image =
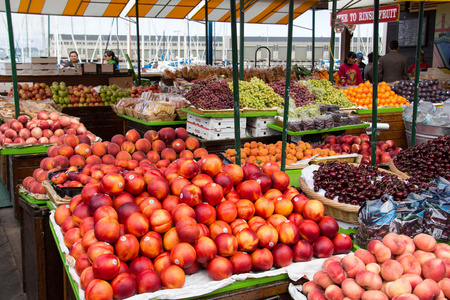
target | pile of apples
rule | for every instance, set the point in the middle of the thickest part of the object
(398, 268)
(36, 92)
(75, 152)
(136, 91)
(136, 228)
(361, 144)
(44, 128)
(77, 95)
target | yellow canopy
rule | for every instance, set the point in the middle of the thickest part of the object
(256, 11)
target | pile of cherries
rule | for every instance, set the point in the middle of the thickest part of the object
(354, 184)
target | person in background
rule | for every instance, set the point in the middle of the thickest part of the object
(393, 66)
(73, 60)
(359, 62)
(368, 70)
(110, 58)
(349, 71)
(423, 64)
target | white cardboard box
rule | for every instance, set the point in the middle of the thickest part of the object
(212, 133)
(215, 122)
(70, 71)
(44, 60)
(258, 132)
(259, 122)
(43, 66)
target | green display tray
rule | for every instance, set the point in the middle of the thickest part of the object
(168, 123)
(231, 114)
(280, 129)
(380, 110)
(32, 200)
(50, 205)
(26, 150)
(294, 176)
(72, 282)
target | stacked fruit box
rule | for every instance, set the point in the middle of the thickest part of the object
(44, 66)
(257, 126)
(21, 68)
(213, 128)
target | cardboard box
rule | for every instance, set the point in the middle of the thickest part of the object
(43, 66)
(220, 123)
(44, 60)
(258, 132)
(212, 133)
(122, 82)
(89, 68)
(44, 72)
(259, 122)
(19, 66)
(70, 71)
(106, 69)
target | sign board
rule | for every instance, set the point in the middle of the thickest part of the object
(389, 13)
(408, 30)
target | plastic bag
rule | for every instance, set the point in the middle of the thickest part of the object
(376, 219)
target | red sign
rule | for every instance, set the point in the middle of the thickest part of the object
(388, 13)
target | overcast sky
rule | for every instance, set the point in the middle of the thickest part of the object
(35, 27)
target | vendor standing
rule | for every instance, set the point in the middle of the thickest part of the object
(359, 62)
(110, 58)
(73, 60)
(423, 64)
(349, 72)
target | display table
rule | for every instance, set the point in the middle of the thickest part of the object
(230, 114)
(85, 79)
(100, 120)
(20, 163)
(42, 271)
(143, 126)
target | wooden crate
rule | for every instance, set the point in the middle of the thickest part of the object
(100, 120)
(42, 269)
(20, 167)
(396, 130)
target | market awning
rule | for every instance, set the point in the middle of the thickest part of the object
(87, 8)
(256, 11)
(167, 9)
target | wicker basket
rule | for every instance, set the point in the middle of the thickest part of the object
(340, 211)
(129, 111)
(114, 108)
(120, 110)
(162, 117)
(396, 171)
(181, 114)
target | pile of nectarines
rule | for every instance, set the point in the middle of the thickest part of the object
(135, 233)
(259, 153)
(127, 152)
(398, 268)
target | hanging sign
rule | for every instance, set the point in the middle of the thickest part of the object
(389, 13)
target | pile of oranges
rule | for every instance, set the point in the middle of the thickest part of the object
(361, 95)
(259, 153)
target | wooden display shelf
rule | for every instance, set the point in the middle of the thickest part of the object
(41, 270)
(19, 167)
(340, 128)
(100, 120)
(396, 130)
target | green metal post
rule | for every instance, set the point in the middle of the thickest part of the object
(241, 40)
(313, 43)
(417, 72)
(288, 84)
(206, 34)
(376, 13)
(237, 121)
(137, 42)
(12, 57)
(333, 37)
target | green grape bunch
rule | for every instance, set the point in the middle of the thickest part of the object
(325, 93)
(257, 94)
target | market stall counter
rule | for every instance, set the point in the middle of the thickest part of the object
(42, 271)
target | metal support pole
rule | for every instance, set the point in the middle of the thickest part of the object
(237, 122)
(241, 37)
(137, 43)
(313, 43)
(206, 33)
(210, 43)
(12, 58)
(48, 40)
(288, 84)
(333, 37)
(417, 72)
(376, 13)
